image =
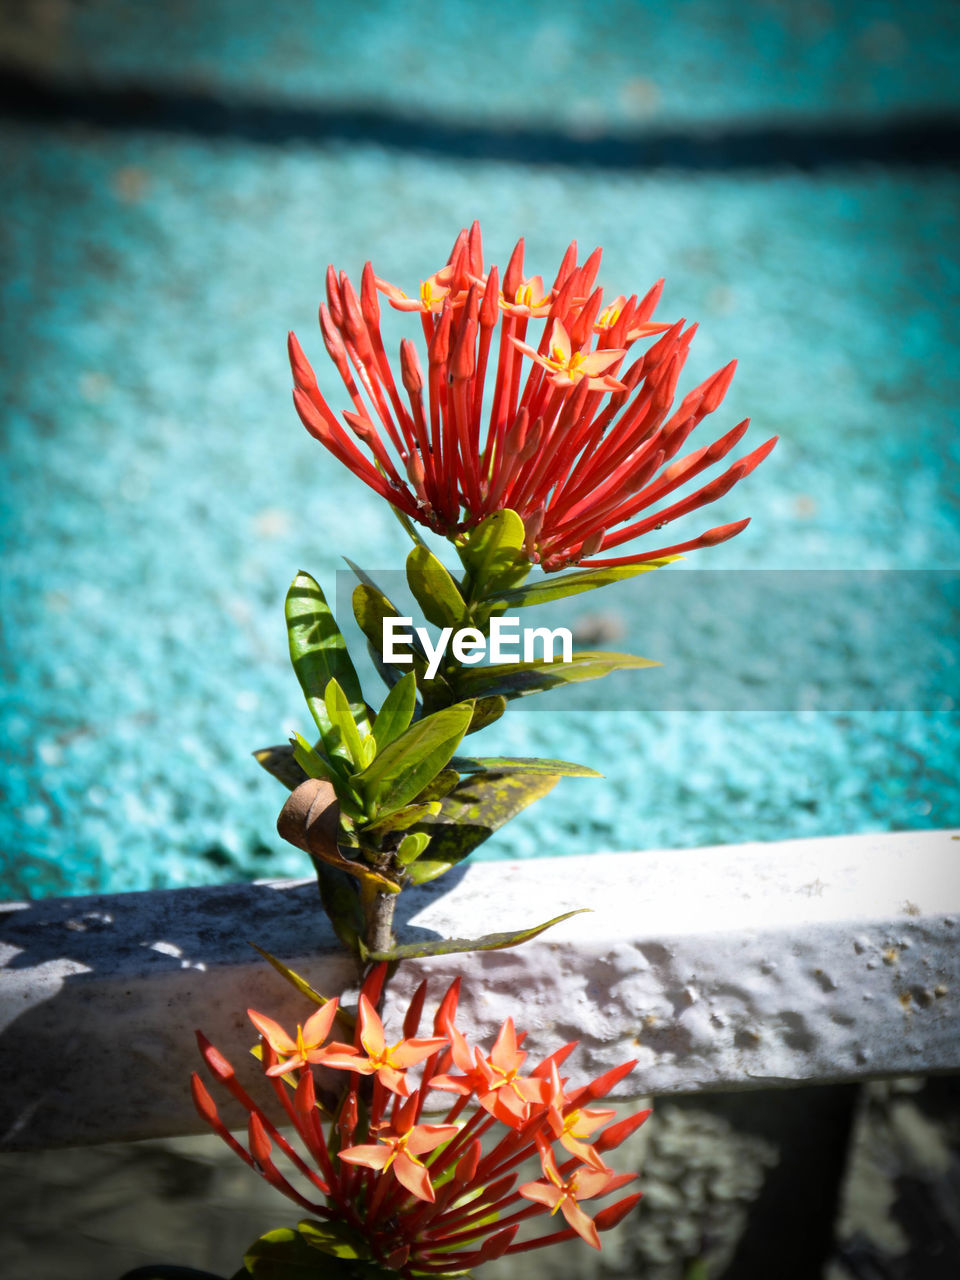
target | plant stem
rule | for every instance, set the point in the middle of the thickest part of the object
(379, 914)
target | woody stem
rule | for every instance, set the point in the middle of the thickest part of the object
(379, 922)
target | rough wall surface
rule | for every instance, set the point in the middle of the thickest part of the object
(730, 967)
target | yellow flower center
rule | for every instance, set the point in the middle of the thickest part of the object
(558, 361)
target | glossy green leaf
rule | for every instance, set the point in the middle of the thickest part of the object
(558, 586)
(470, 813)
(283, 1254)
(522, 764)
(281, 764)
(314, 765)
(324, 1252)
(343, 726)
(333, 1237)
(405, 817)
(434, 589)
(450, 946)
(411, 847)
(518, 679)
(492, 554)
(397, 710)
(319, 653)
(412, 760)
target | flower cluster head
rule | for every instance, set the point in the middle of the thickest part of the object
(416, 1197)
(578, 434)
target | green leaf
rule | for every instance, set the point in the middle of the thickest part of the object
(370, 608)
(449, 946)
(314, 765)
(492, 554)
(522, 764)
(406, 765)
(397, 711)
(517, 679)
(558, 586)
(319, 653)
(316, 1251)
(470, 813)
(301, 984)
(281, 764)
(440, 786)
(411, 847)
(343, 724)
(486, 712)
(434, 589)
(339, 899)
(406, 817)
(283, 1254)
(333, 1237)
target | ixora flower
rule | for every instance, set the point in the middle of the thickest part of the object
(574, 439)
(399, 1193)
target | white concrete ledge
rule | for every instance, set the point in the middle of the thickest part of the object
(722, 968)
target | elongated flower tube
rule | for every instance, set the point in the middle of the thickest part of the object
(566, 425)
(407, 1194)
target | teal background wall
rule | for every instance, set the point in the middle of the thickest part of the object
(176, 178)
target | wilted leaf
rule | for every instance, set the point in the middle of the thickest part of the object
(310, 819)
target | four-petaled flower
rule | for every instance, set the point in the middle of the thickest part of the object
(302, 1049)
(572, 1125)
(587, 453)
(398, 1146)
(387, 1062)
(566, 366)
(563, 1193)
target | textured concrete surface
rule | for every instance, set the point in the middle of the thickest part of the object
(740, 967)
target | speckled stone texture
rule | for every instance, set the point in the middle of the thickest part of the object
(160, 493)
(745, 966)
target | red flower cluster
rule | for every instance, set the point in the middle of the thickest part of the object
(429, 1199)
(575, 444)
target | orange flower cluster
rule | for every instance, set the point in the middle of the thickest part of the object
(429, 1198)
(575, 443)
